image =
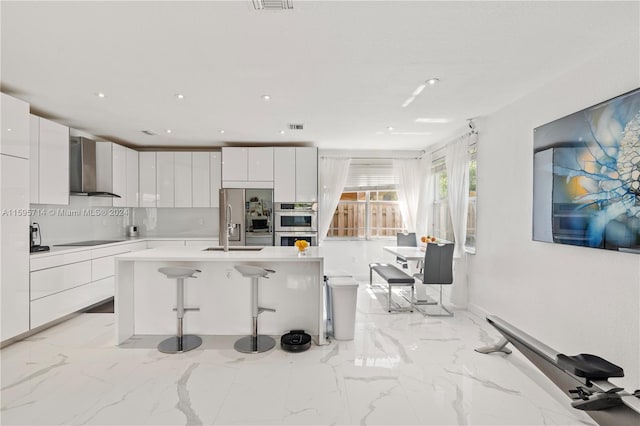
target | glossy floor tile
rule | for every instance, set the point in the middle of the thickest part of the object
(401, 369)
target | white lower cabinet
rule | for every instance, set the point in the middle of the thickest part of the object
(58, 305)
(70, 282)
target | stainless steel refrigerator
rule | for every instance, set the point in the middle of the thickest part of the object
(246, 217)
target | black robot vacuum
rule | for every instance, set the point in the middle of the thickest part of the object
(295, 341)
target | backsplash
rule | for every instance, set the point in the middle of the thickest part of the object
(85, 218)
(93, 218)
(176, 222)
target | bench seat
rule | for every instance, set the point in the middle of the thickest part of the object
(394, 277)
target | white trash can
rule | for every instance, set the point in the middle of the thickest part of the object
(344, 296)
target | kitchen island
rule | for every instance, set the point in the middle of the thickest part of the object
(145, 298)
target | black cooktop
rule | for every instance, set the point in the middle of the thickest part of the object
(90, 243)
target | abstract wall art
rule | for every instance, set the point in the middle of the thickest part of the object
(586, 185)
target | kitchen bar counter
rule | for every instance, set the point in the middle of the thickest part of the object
(145, 298)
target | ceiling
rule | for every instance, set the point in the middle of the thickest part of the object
(343, 69)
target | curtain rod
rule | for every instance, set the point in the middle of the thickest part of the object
(414, 155)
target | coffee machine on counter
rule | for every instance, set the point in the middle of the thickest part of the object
(36, 238)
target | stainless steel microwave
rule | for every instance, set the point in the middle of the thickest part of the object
(296, 217)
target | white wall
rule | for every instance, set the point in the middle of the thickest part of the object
(575, 299)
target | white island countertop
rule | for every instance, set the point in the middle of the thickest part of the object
(197, 254)
(145, 298)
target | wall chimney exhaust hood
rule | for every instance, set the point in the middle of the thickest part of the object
(82, 168)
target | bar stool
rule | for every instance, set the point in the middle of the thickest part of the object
(255, 343)
(180, 343)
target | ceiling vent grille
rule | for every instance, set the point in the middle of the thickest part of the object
(272, 4)
(148, 132)
(296, 126)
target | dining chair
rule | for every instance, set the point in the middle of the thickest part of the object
(437, 270)
(405, 240)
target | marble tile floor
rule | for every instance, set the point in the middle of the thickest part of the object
(401, 369)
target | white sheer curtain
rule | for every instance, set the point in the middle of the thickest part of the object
(457, 163)
(410, 180)
(333, 173)
(425, 203)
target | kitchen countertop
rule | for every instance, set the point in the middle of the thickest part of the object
(196, 254)
(56, 250)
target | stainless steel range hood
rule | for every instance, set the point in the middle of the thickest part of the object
(82, 168)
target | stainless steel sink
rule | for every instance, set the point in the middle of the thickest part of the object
(235, 248)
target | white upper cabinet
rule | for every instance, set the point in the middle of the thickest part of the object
(183, 196)
(244, 167)
(306, 174)
(284, 174)
(260, 164)
(295, 174)
(147, 179)
(165, 180)
(216, 177)
(49, 166)
(201, 179)
(234, 164)
(132, 178)
(15, 124)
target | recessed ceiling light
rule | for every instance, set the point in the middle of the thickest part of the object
(9, 129)
(169, 130)
(100, 95)
(179, 95)
(419, 90)
(430, 120)
(282, 132)
(221, 131)
(266, 97)
(389, 128)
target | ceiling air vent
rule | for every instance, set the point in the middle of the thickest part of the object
(296, 126)
(148, 132)
(272, 4)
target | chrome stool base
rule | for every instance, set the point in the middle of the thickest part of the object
(254, 345)
(172, 345)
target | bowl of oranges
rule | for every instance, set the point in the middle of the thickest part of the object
(302, 246)
(424, 240)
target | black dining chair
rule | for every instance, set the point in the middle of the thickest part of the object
(405, 240)
(437, 270)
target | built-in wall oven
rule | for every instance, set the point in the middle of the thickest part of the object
(296, 217)
(295, 221)
(290, 238)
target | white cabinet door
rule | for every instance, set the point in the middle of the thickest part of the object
(119, 175)
(15, 125)
(216, 178)
(165, 179)
(260, 164)
(306, 174)
(34, 159)
(183, 196)
(201, 179)
(132, 178)
(234, 164)
(284, 174)
(54, 163)
(14, 245)
(147, 179)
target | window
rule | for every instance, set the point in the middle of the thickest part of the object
(368, 208)
(441, 224)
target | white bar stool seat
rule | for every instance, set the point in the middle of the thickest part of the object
(255, 343)
(180, 343)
